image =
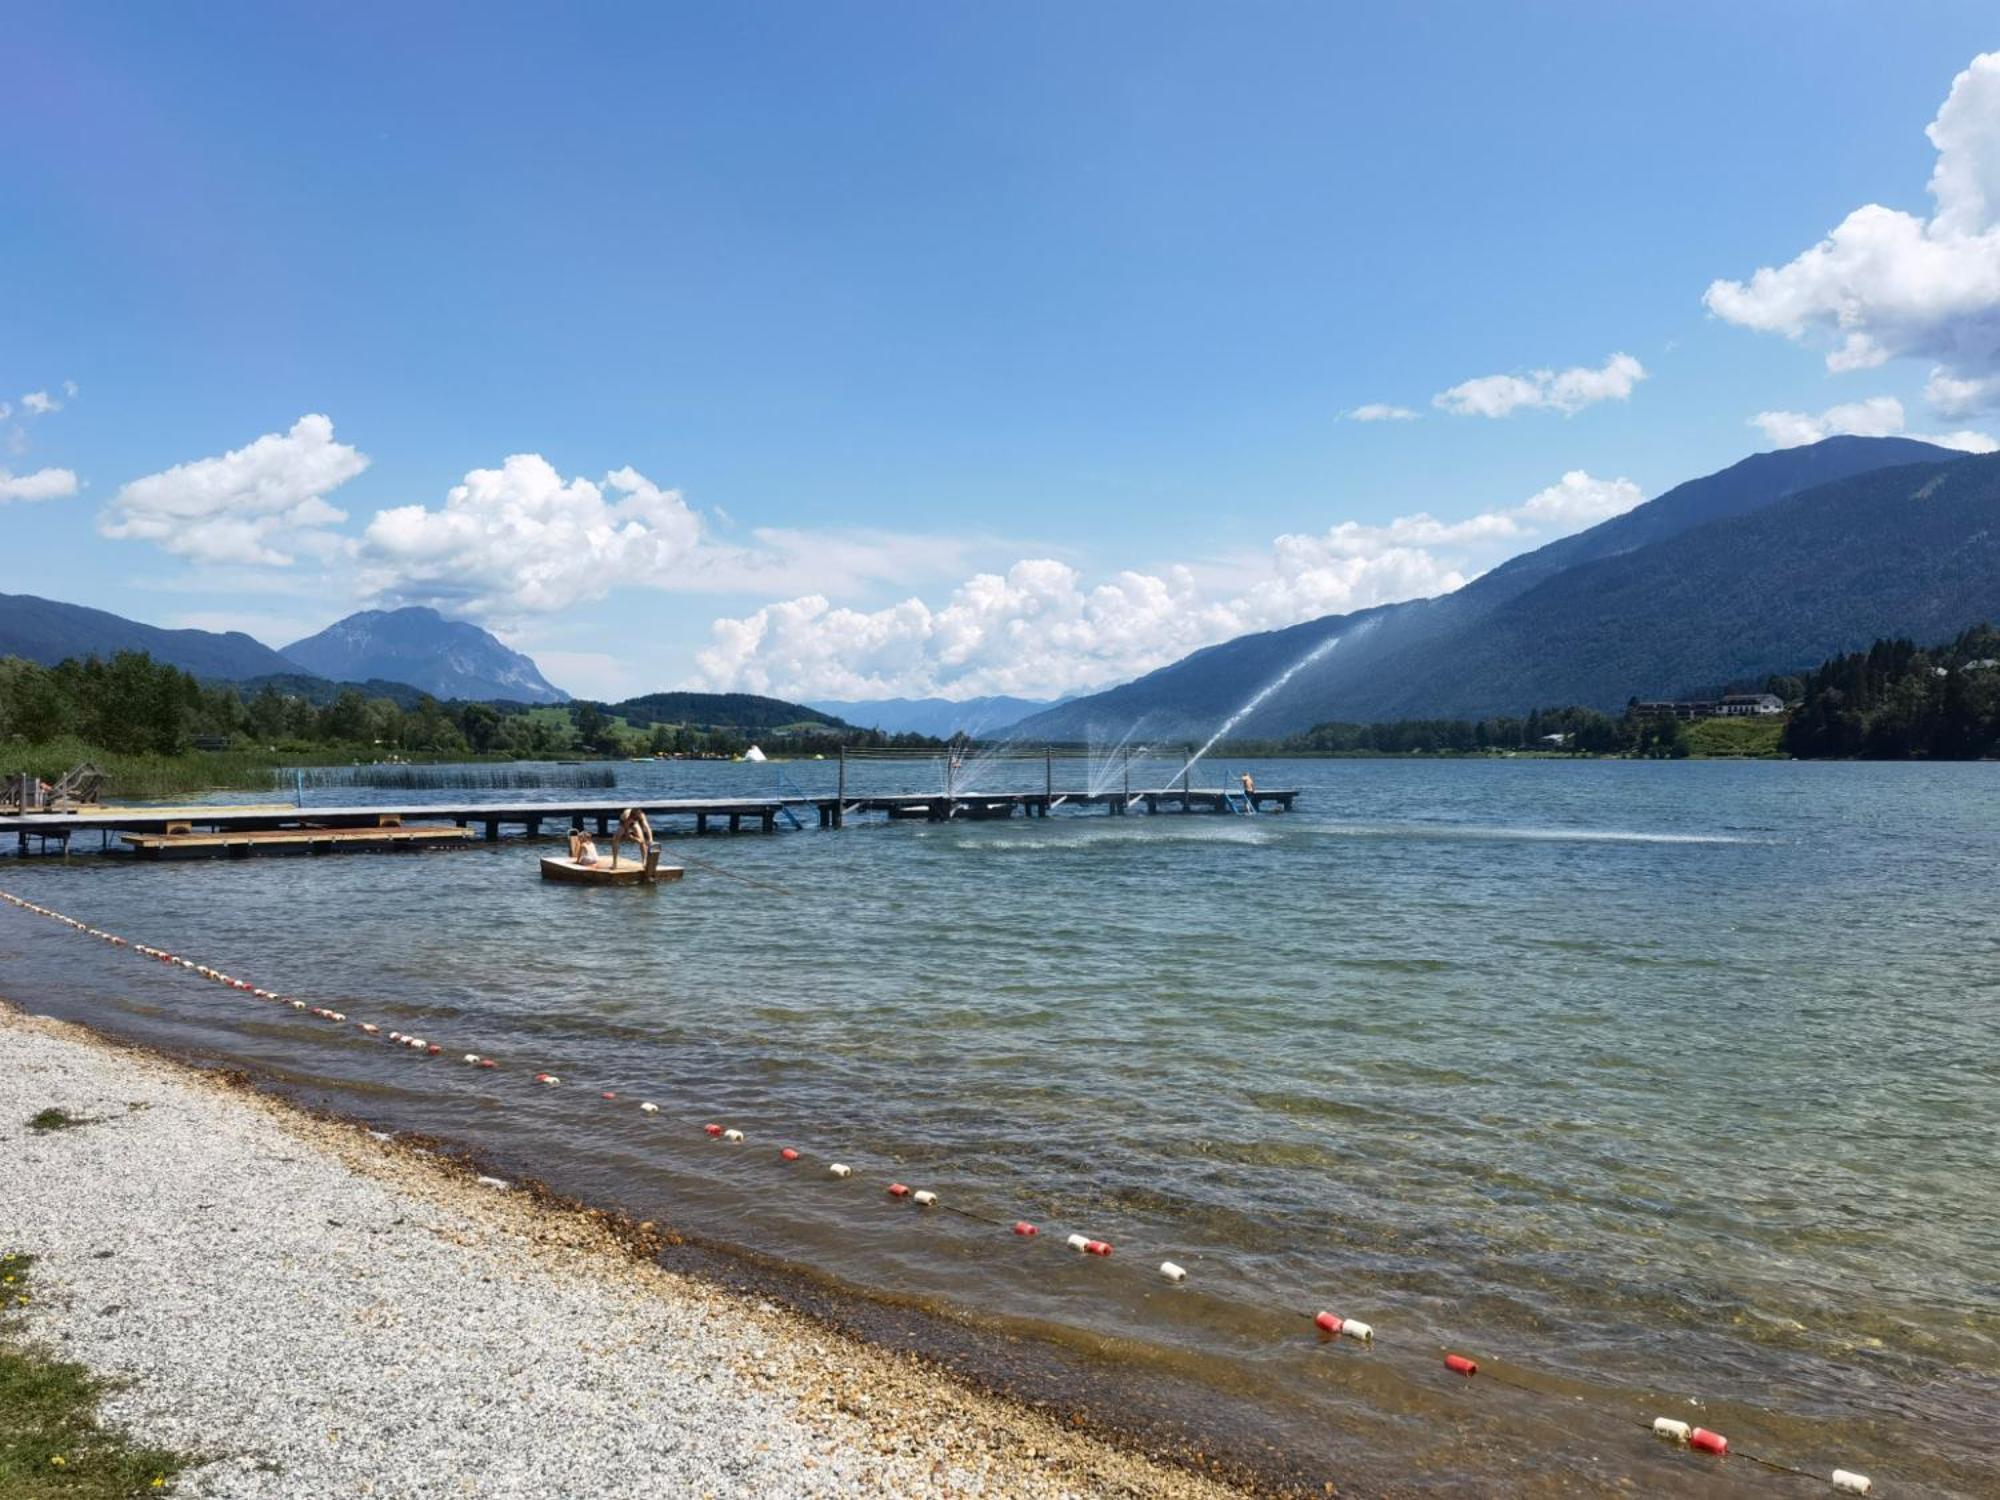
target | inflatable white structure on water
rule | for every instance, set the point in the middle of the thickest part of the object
(753, 753)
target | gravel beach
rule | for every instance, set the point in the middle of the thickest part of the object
(318, 1311)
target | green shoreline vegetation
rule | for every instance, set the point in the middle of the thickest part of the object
(51, 1444)
(158, 732)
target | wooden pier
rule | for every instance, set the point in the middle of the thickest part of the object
(244, 829)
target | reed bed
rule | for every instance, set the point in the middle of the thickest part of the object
(422, 778)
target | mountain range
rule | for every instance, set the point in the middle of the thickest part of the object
(389, 653)
(46, 631)
(939, 717)
(1771, 564)
(446, 658)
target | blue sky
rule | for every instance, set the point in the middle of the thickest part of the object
(939, 347)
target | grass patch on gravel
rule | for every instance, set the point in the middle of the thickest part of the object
(56, 1119)
(50, 1443)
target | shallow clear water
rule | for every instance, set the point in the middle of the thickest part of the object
(1643, 1082)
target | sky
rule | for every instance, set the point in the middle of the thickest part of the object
(853, 351)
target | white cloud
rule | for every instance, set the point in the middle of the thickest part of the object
(1567, 391)
(1381, 411)
(259, 504)
(1956, 397)
(1040, 628)
(70, 389)
(1886, 283)
(1878, 416)
(522, 540)
(39, 403)
(43, 484)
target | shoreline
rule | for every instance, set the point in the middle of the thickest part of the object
(217, 1263)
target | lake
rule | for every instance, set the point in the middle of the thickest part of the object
(1647, 1084)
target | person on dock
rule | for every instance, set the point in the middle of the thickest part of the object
(1249, 786)
(581, 848)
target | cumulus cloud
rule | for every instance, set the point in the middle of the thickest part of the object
(39, 403)
(1954, 396)
(1567, 391)
(1041, 627)
(260, 504)
(1878, 416)
(522, 540)
(1886, 283)
(1381, 411)
(43, 484)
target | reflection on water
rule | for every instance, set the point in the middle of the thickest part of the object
(1667, 1081)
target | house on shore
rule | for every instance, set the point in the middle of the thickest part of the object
(1728, 706)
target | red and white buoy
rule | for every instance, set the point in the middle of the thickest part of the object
(711, 1130)
(1327, 1323)
(1708, 1442)
(1460, 1365)
(788, 1154)
(1026, 1230)
(897, 1190)
(839, 1169)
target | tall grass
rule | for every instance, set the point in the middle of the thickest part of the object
(458, 777)
(147, 776)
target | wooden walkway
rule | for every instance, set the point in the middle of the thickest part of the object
(223, 828)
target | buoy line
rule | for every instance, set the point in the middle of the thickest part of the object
(1333, 1327)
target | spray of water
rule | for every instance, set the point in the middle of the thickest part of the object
(1263, 695)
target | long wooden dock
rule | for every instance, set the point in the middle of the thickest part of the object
(229, 829)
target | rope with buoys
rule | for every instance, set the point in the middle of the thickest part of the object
(1334, 1327)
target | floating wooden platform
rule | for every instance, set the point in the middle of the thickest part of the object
(626, 872)
(241, 842)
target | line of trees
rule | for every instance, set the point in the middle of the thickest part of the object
(1899, 701)
(133, 705)
(1583, 731)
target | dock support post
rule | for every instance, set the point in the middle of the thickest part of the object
(603, 825)
(840, 795)
(492, 830)
(736, 822)
(770, 820)
(701, 823)
(576, 823)
(534, 828)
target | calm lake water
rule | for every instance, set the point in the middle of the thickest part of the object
(1645, 1083)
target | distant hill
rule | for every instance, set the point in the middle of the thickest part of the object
(1634, 605)
(745, 711)
(47, 631)
(446, 658)
(321, 691)
(940, 718)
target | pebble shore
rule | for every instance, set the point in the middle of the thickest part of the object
(318, 1311)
